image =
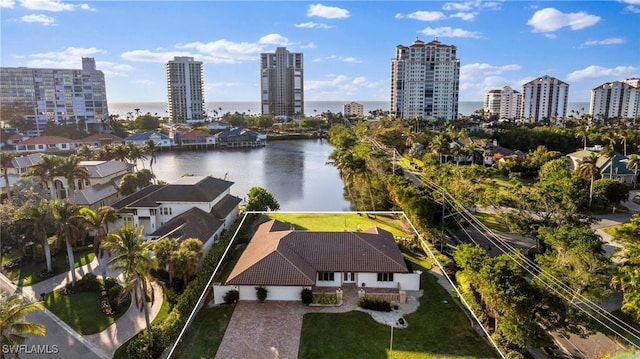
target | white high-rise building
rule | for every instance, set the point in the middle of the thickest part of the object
(185, 90)
(617, 99)
(353, 109)
(425, 81)
(505, 103)
(58, 96)
(545, 98)
(282, 83)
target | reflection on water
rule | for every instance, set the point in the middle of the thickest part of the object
(294, 171)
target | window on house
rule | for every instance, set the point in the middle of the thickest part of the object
(385, 277)
(326, 276)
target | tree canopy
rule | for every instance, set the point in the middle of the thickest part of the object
(259, 199)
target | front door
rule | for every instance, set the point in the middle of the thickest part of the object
(349, 277)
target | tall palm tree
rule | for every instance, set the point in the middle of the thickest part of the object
(37, 222)
(436, 145)
(46, 170)
(135, 153)
(120, 152)
(162, 249)
(152, 148)
(623, 137)
(13, 325)
(184, 262)
(131, 255)
(632, 163)
(6, 160)
(588, 168)
(583, 132)
(99, 221)
(70, 227)
(72, 171)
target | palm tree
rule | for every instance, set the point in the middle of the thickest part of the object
(99, 221)
(135, 153)
(185, 261)
(623, 136)
(6, 160)
(588, 168)
(152, 148)
(13, 325)
(162, 249)
(71, 170)
(583, 132)
(70, 226)
(632, 163)
(46, 170)
(37, 222)
(131, 255)
(437, 144)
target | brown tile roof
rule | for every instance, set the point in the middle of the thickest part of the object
(277, 255)
(100, 137)
(45, 140)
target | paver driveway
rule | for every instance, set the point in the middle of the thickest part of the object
(271, 329)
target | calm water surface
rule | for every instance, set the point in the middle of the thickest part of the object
(294, 171)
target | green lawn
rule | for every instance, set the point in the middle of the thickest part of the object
(341, 222)
(28, 273)
(165, 309)
(611, 230)
(492, 221)
(81, 311)
(436, 330)
(205, 334)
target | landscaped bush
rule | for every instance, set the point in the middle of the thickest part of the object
(231, 297)
(377, 304)
(88, 283)
(306, 296)
(110, 283)
(325, 299)
(261, 293)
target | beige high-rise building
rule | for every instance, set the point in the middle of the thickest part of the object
(425, 81)
(353, 109)
(185, 90)
(505, 103)
(55, 96)
(282, 84)
(544, 99)
(617, 99)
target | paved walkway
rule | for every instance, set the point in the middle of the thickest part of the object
(105, 343)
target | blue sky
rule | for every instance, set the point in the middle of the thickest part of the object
(347, 45)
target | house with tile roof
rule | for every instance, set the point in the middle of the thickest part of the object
(192, 207)
(47, 144)
(240, 137)
(98, 140)
(285, 261)
(610, 167)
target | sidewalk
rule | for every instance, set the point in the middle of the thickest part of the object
(126, 327)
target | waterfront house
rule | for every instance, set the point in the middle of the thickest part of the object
(140, 139)
(193, 206)
(192, 138)
(240, 137)
(285, 261)
(98, 140)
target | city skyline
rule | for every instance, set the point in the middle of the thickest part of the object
(348, 46)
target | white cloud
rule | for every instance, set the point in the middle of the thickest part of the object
(478, 78)
(310, 45)
(312, 25)
(52, 5)
(337, 87)
(595, 71)
(632, 5)
(466, 16)
(458, 6)
(608, 41)
(344, 59)
(550, 19)
(448, 31)
(631, 2)
(317, 59)
(274, 39)
(423, 16)
(218, 52)
(71, 58)
(327, 12)
(7, 4)
(38, 18)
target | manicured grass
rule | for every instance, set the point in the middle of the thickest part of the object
(342, 222)
(611, 230)
(436, 330)
(164, 311)
(492, 221)
(204, 336)
(28, 273)
(81, 311)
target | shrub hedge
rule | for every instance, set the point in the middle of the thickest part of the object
(165, 333)
(377, 304)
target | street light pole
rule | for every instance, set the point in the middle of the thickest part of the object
(391, 340)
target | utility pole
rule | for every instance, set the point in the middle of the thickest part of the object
(442, 224)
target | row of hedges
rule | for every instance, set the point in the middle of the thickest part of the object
(167, 332)
(377, 304)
